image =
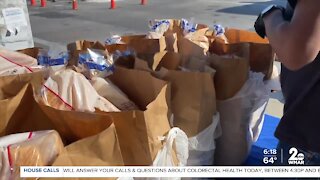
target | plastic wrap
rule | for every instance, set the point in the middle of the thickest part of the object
(202, 146)
(53, 59)
(111, 92)
(219, 31)
(96, 63)
(69, 90)
(157, 28)
(12, 63)
(28, 149)
(188, 26)
(165, 156)
(114, 39)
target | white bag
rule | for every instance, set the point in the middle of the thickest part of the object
(202, 146)
(165, 155)
(274, 82)
(242, 118)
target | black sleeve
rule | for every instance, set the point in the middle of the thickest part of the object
(290, 9)
(293, 3)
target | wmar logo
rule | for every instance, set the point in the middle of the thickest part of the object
(296, 158)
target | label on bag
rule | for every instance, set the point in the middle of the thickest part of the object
(84, 58)
(92, 65)
(14, 17)
(46, 60)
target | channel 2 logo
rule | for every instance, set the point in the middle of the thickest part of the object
(296, 158)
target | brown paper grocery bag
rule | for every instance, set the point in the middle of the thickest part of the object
(169, 60)
(191, 48)
(143, 45)
(77, 48)
(33, 52)
(175, 27)
(73, 125)
(99, 150)
(171, 42)
(248, 45)
(81, 46)
(237, 35)
(174, 61)
(126, 61)
(116, 47)
(98, 45)
(199, 38)
(84, 45)
(166, 59)
(138, 131)
(231, 74)
(197, 45)
(193, 99)
(261, 53)
(18, 108)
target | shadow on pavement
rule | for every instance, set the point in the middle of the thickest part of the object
(251, 9)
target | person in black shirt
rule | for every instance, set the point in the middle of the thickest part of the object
(294, 34)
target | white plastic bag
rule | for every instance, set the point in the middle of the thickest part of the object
(202, 146)
(274, 82)
(242, 118)
(165, 155)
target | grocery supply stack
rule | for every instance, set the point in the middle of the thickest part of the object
(184, 94)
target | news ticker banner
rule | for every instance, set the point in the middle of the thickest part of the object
(187, 171)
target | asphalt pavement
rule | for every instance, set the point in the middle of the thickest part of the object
(60, 24)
